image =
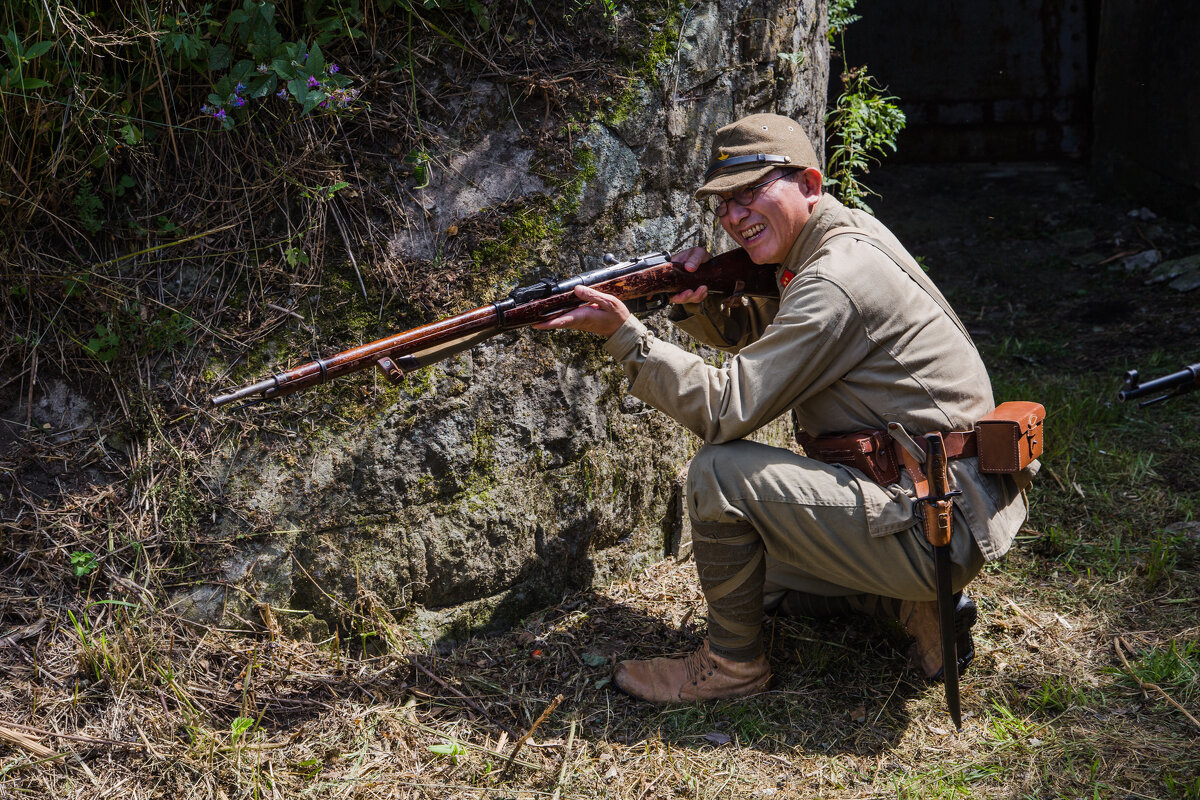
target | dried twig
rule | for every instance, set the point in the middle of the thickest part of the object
(562, 773)
(25, 742)
(1022, 613)
(71, 737)
(1118, 643)
(541, 718)
(474, 706)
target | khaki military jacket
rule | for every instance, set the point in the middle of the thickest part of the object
(853, 343)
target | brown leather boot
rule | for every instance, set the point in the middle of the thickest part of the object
(921, 622)
(703, 675)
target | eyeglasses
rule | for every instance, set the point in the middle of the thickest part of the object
(743, 197)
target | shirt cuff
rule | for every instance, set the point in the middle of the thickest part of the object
(629, 345)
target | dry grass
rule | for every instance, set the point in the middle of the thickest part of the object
(150, 706)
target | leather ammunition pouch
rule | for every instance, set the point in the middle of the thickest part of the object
(1005, 440)
(1010, 437)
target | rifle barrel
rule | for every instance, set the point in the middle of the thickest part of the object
(652, 275)
(1184, 380)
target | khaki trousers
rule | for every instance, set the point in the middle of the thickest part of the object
(826, 530)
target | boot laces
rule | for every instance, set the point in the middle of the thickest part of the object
(699, 663)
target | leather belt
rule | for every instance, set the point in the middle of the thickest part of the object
(960, 444)
(876, 454)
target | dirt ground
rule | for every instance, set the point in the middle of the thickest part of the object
(1033, 250)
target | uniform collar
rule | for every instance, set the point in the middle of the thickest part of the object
(827, 215)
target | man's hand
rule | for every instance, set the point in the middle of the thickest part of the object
(691, 258)
(602, 315)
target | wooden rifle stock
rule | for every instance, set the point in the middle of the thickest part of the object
(650, 276)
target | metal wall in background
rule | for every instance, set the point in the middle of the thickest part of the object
(1114, 82)
(1147, 101)
(982, 79)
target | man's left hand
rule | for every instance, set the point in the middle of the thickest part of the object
(603, 314)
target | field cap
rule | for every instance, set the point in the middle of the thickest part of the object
(745, 151)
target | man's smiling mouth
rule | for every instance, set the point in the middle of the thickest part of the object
(752, 231)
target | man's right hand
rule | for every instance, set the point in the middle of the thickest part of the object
(691, 258)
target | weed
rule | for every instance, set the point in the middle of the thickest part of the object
(83, 563)
(1160, 560)
(841, 16)
(864, 122)
(1182, 787)
(88, 206)
(939, 783)
(1055, 695)
(106, 344)
(1176, 666)
(448, 749)
(862, 127)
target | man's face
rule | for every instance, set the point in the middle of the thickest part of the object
(768, 225)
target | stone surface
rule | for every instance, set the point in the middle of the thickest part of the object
(520, 469)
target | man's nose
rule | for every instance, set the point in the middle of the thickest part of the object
(737, 211)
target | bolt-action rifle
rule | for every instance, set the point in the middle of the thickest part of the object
(1166, 387)
(646, 282)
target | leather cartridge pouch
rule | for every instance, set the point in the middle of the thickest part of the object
(869, 451)
(1010, 437)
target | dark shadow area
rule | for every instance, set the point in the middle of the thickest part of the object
(1048, 273)
(841, 685)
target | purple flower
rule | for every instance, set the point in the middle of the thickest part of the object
(206, 109)
(313, 82)
(282, 93)
(219, 114)
(344, 97)
(333, 69)
(241, 87)
(263, 69)
(238, 102)
(324, 104)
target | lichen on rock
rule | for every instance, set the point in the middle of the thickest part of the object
(520, 470)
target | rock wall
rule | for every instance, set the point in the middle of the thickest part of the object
(520, 469)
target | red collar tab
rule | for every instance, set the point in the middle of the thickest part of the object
(787, 276)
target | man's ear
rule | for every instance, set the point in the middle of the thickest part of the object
(810, 182)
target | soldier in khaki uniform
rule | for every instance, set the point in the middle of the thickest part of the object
(859, 340)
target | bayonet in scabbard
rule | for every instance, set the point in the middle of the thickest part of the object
(938, 519)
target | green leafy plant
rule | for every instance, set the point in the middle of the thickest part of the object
(864, 123)
(418, 162)
(294, 256)
(863, 127)
(88, 205)
(448, 749)
(83, 563)
(238, 729)
(291, 71)
(841, 16)
(106, 344)
(122, 185)
(19, 57)
(183, 37)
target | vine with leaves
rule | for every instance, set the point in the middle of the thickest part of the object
(863, 125)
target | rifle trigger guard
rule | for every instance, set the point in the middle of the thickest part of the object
(389, 369)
